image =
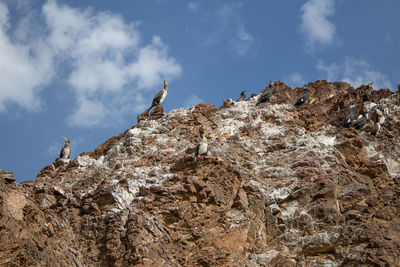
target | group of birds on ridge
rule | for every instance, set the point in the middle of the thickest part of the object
(202, 147)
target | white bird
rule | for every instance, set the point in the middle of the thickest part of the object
(202, 147)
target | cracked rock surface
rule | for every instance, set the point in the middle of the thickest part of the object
(280, 186)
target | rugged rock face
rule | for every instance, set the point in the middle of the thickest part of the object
(280, 187)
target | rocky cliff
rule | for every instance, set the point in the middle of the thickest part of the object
(280, 186)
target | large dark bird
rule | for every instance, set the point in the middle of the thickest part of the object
(267, 94)
(242, 96)
(368, 92)
(350, 116)
(303, 97)
(361, 120)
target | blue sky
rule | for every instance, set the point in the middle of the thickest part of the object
(85, 69)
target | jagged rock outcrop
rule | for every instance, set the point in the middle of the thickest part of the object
(281, 186)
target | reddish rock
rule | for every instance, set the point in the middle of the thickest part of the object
(281, 186)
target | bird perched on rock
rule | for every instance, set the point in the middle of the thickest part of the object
(350, 116)
(66, 150)
(267, 94)
(242, 96)
(227, 103)
(201, 148)
(361, 120)
(378, 125)
(160, 96)
(303, 97)
(368, 92)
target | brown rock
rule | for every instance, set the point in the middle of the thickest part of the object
(281, 187)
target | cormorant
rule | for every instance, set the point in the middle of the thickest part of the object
(368, 92)
(267, 94)
(242, 96)
(201, 148)
(350, 116)
(378, 125)
(66, 150)
(361, 120)
(160, 96)
(303, 97)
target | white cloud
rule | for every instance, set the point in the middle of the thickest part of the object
(90, 113)
(318, 30)
(24, 69)
(193, 6)
(102, 77)
(355, 72)
(101, 57)
(294, 80)
(192, 100)
(153, 64)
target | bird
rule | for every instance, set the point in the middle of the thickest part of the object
(303, 97)
(350, 116)
(375, 130)
(160, 96)
(66, 150)
(368, 92)
(201, 148)
(361, 120)
(242, 96)
(267, 94)
(378, 125)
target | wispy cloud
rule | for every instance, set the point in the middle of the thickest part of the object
(315, 26)
(192, 100)
(193, 6)
(294, 80)
(53, 150)
(388, 37)
(225, 25)
(355, 72)
(101, 57)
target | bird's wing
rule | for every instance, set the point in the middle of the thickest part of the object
(305, 95)
(267, 93)
(158, 96)
(62, 151)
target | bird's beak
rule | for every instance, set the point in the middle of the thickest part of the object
(66, 140)
(165, 82)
